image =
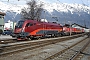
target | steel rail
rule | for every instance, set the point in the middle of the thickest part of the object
(73, 57)
(32, 45)
(61, 52)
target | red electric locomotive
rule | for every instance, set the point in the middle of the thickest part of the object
(35, 29)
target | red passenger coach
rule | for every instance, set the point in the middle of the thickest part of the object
(67, 30)
(32, 28)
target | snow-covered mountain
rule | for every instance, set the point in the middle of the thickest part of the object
(61, 12)
(66, 13)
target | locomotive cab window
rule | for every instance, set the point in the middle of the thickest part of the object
(19, 24)
(29, 24)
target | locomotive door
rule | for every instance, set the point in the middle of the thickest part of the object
(30, 27)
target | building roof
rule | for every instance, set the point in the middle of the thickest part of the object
(1, 13)
(79, 25)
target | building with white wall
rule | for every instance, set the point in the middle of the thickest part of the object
(80, 27)
(9, 25)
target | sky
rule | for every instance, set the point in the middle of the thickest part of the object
(23, 2)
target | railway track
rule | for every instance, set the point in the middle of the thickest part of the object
(48, 52)
(80, 51)
(30, 45)
(5, 41)
(13, 40)
(71, 53)
(84, 54)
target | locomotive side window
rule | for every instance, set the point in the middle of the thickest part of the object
(29, 24)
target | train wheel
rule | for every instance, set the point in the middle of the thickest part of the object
(53, 35)
(61, 35)
(21, 39)
(29, 39)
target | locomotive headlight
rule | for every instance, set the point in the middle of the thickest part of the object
(22, 30)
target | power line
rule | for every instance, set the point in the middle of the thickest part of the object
(17, 0)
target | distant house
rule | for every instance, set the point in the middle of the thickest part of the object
(81, 27)
(9, 25)
(2, 21)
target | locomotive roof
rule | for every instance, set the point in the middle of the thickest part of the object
(48, 23)
(79, 25)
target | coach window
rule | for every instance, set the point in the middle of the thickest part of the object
(29, 24)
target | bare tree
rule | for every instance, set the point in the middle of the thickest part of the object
(33, 11)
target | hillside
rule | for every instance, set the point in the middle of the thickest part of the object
(60, 12)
